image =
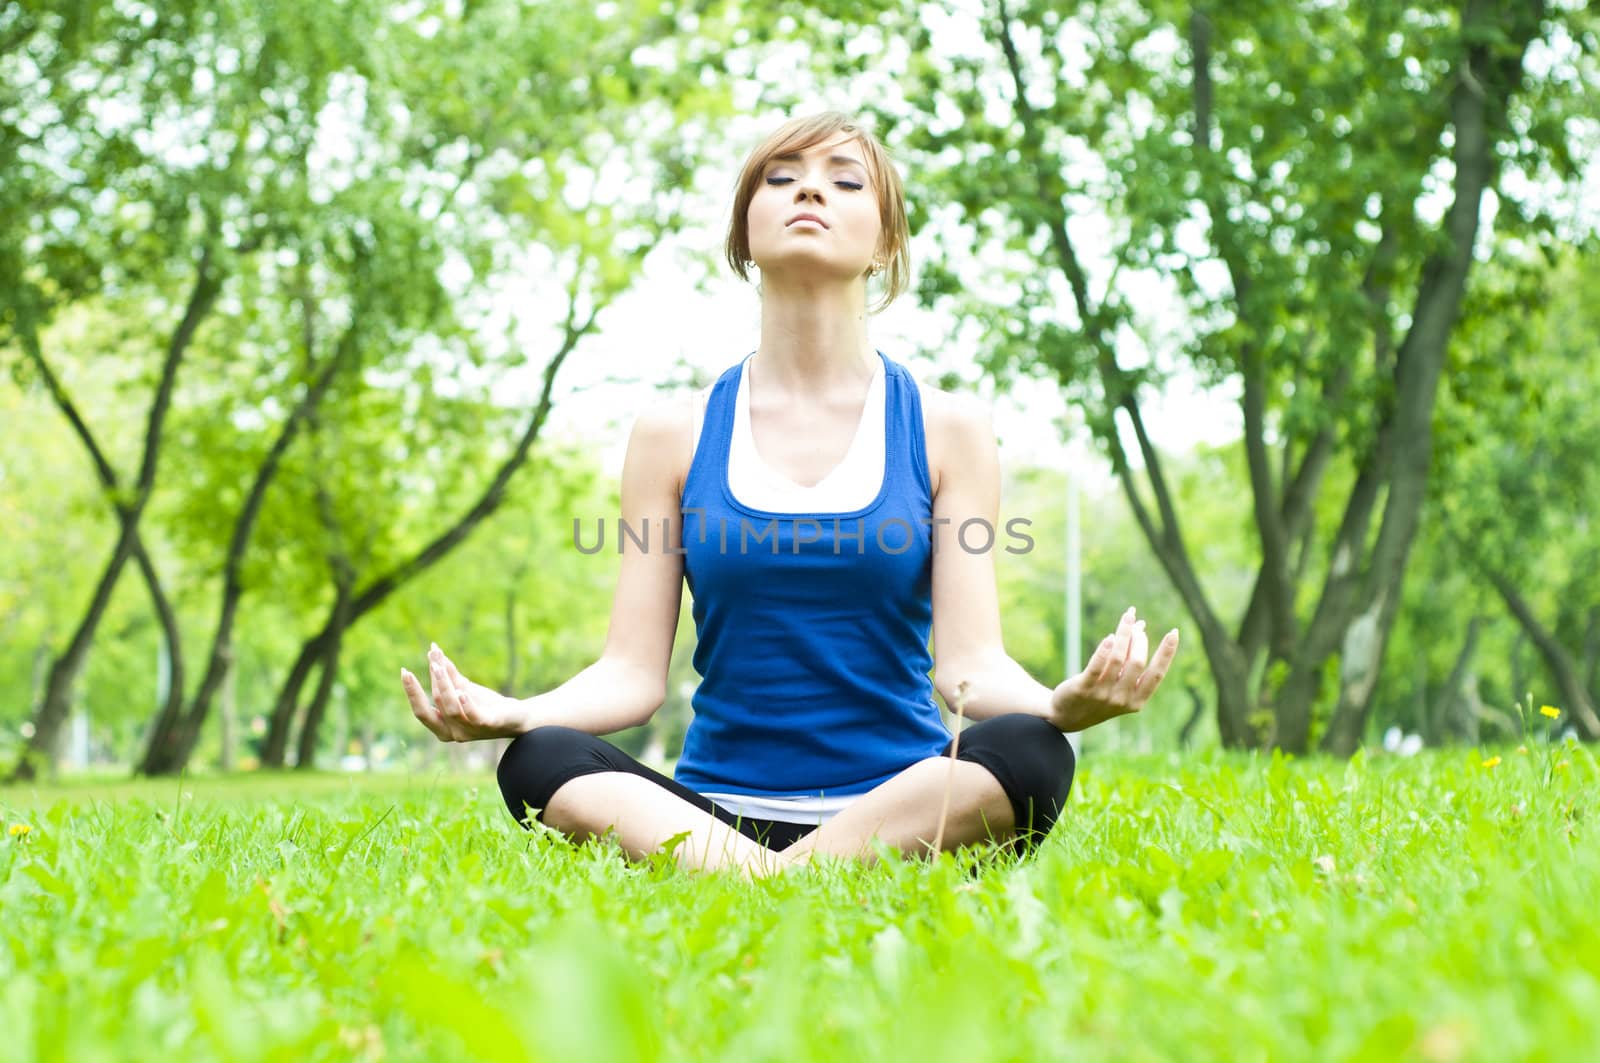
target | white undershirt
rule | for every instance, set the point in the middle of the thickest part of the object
(851, 485)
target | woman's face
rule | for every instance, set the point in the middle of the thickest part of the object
(830, 181)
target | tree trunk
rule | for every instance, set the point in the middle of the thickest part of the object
(1456, 718)
(37, 675)
(51, 711)
(64, 672)
(172, 703)
(1488, 78)
(173, 743)
(276, 744)
(1360, 595)
(54, 708)
(229, 718)
(341, 723)
(1186, 732)
(1562, 665)
(1519, 667)
(1507, 727)
(376, 592)
(1360, 662)
(1591, 651)
(317, 710)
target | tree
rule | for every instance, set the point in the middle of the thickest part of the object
(1309, 180)
(173, 231)
(1118, 571)
(499, 120)
(1517, 504)
(335, 167)
(603, 242)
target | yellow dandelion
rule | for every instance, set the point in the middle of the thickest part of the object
(1491, 762)
(19, 829)
(1549, 710)
(1562, 766)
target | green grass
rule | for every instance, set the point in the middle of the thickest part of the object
(1210, 907)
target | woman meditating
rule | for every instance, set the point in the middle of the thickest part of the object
(826, 510)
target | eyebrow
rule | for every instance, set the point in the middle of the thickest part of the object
(794, 156)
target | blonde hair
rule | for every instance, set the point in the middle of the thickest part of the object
(798, 134)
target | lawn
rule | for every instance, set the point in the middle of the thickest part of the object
(1211, 906)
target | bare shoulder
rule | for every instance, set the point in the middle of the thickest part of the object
(956, 425)
(662, 438)
(960, 410)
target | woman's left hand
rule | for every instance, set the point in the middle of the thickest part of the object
(1116, 681)
(458, 710)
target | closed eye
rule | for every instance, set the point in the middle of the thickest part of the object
(842, 184)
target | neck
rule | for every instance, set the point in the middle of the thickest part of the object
(813, 337)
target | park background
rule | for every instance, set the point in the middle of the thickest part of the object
(321, 324)
(322, 328)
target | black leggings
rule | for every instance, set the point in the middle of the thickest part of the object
(1032, 761)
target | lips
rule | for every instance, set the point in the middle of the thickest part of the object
(805, 217)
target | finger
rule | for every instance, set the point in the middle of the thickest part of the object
(467, 706)
(1100, 661)
(472, 696)
(456, 678)
(1138, 654)
(444, 695)
(439, 707)
(447, 669)
(1116, 651)
(1119, 650)
(1139, 646)
(459, 690)
(1124, 692)
(414, 696)
(1159, 665)
(453, 710)
(420, 708)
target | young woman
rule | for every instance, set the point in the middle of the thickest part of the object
(826, 510)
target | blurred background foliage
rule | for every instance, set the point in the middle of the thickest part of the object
(271, 421)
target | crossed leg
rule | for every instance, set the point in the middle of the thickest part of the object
(903, 814)
(586, 788)
(644, 817)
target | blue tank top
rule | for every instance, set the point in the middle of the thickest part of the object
(813, 628)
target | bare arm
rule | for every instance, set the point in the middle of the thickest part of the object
(966, 610)
(628, 683)
(1119, 678)
(626, 686)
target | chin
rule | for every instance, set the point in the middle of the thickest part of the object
(809, 268)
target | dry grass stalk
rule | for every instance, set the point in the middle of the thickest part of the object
(950, 781)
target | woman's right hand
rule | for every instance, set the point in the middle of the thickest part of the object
(457, 710)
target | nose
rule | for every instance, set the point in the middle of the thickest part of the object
(807, 188)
